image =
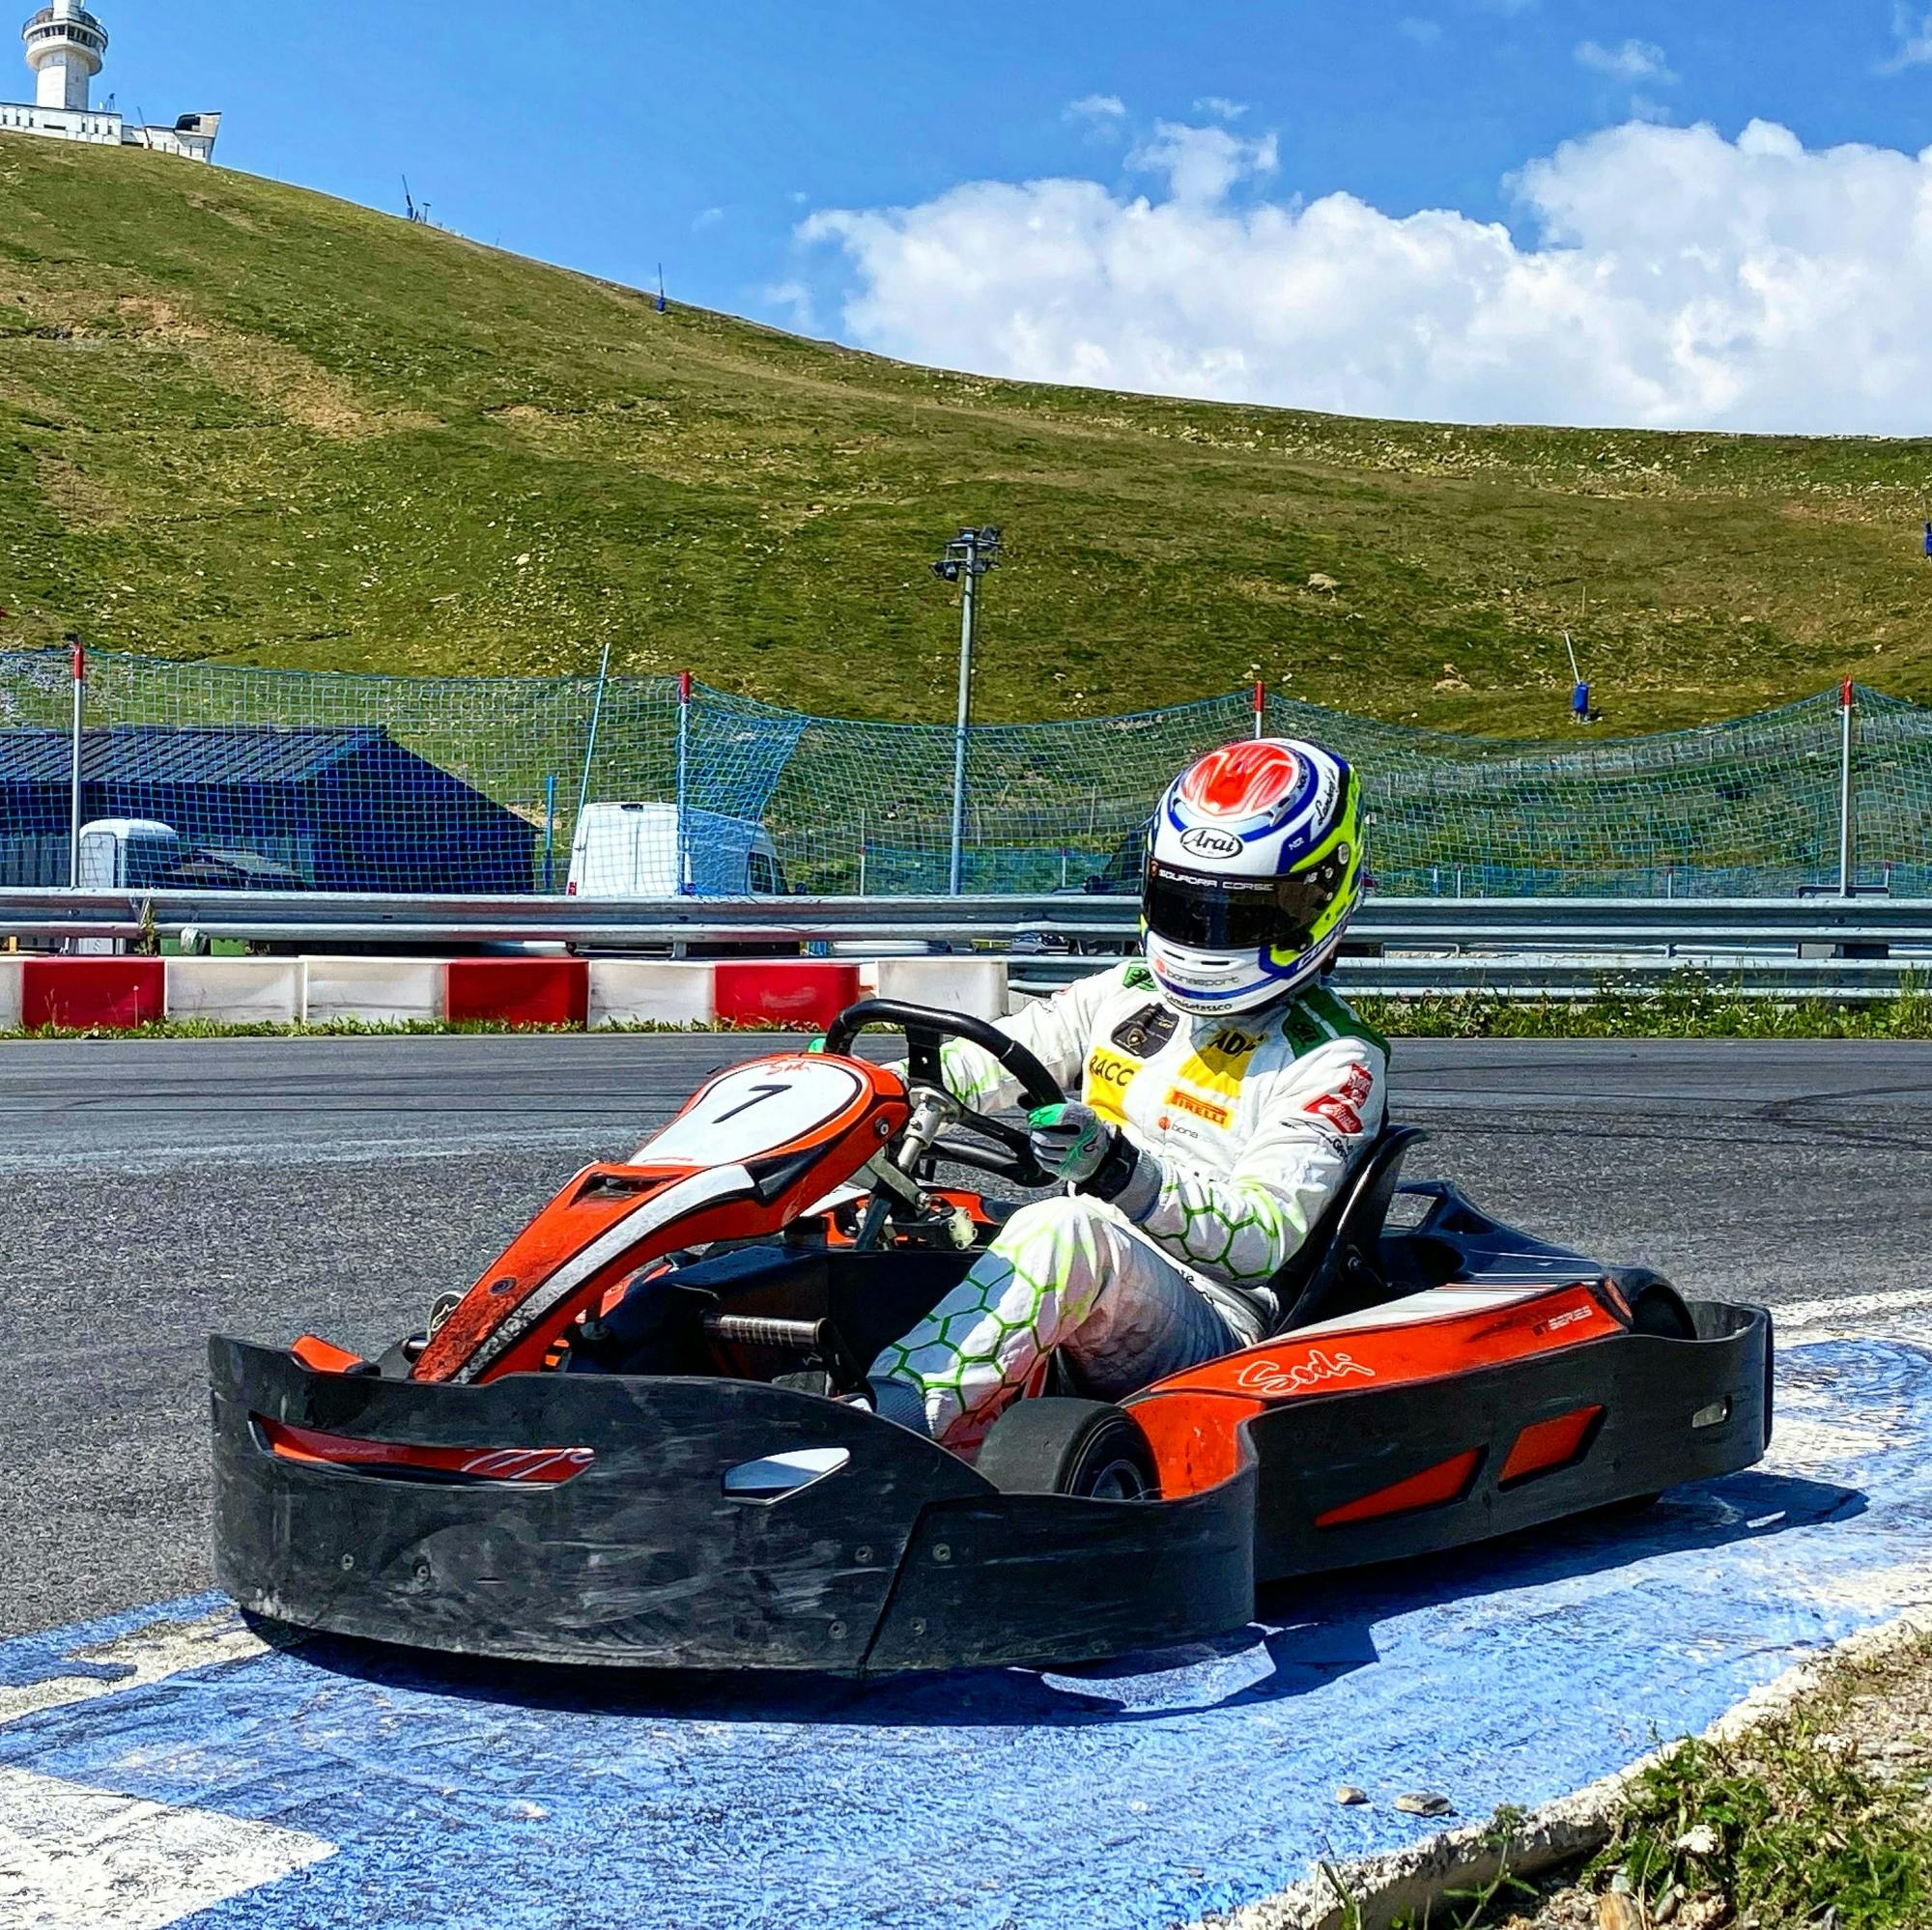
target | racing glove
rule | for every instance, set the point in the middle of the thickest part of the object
(1079, 1148)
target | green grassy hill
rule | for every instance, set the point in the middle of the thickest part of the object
(244, 422)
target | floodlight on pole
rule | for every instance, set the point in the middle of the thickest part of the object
(968, 556)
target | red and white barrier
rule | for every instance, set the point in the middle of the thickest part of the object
(81, 993)
(238, 991)
(88, 994)
(518, 991)
(784, 991)
(962, 984)
(376, 991)
(647, 991)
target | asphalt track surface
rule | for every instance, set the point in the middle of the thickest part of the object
(151, 1192)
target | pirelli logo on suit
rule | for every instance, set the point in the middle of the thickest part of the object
(1185, 1101)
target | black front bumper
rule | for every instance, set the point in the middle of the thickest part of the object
(902, 1559)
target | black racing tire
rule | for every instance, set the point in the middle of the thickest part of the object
(1057, 1445)
(1656, 1306)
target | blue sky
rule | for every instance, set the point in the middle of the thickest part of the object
(613, 137)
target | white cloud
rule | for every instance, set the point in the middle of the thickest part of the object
(1219, 107)
(1095, 107)
(706, 217)
(1424, 33)
(1632, 61)
(1912, 30)
(794, 297)
(1674, 278)
(1202, 163)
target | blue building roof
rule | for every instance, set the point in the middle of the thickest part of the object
(214, 755)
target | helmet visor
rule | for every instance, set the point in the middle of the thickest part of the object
(1210, 914)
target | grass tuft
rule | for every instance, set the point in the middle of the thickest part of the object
(1783, 1826)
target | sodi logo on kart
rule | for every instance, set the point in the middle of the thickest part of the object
(1205, 842)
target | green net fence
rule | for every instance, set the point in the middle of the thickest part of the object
(209, 776)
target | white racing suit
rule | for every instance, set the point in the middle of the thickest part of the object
(1242, 1130)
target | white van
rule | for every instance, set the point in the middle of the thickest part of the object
(127, 854)
(630, 851)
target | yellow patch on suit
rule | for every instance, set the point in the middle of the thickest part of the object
(1108, 1077)
(1220, 1064)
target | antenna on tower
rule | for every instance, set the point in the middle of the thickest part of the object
(660, 304)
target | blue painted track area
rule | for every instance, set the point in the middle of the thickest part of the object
(325, 1785)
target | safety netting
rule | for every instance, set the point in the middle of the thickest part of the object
(212, 777)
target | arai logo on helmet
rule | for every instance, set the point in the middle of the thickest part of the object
(1205, 842)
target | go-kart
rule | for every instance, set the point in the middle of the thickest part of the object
(629, 1441)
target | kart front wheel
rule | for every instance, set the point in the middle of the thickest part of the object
(1058, 1445)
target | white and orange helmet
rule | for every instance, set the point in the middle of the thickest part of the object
(1255, 864)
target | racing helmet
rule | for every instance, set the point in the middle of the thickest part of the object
(1254, 866)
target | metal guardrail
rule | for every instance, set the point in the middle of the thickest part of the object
(1828, 947)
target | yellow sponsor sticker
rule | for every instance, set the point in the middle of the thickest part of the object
(1222, 1062)
(1108, 1077)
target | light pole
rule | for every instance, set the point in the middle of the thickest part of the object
(968, 558)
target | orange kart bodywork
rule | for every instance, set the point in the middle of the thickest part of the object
(618, 1447)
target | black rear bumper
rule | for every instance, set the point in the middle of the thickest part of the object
(903, 1558)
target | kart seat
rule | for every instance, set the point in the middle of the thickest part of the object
(1338, 1268)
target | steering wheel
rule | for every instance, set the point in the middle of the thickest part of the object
(1010, 1153)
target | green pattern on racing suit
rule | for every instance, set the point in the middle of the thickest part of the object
(1242, 1130)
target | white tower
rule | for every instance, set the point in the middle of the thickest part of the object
(65, 48)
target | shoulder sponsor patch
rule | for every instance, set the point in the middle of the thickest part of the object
(1144, 1032)
(1137, 978)
(1343, 1107)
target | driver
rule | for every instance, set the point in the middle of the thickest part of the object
(1225, 1093)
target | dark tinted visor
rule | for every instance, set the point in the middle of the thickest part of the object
(1210, 914)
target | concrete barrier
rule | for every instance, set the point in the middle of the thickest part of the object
(120, 992)
(518, 991)
(86, 994)
(378, 991)
(975, 985)
(643, 991)
(238, 991)
(784, 991)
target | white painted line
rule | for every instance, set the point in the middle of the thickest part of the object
(150, 1654)
(1852, 1310)
(79, 1859)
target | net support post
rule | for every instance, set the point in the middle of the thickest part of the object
(956, 863)
(683, 813)
(1845, 852)
(79, 661)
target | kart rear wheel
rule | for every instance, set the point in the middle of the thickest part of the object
(1656, 1306)
(1058, 1445)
